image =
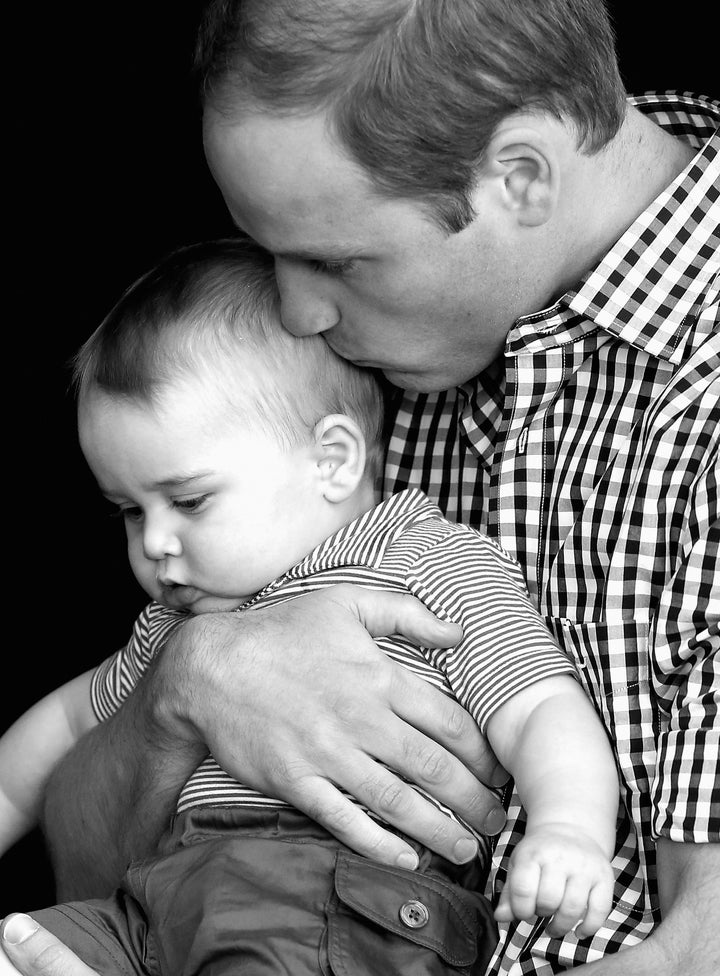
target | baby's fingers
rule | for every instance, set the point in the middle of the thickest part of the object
(598, 908)
(582, 909)
(519, 896)
(571, 907)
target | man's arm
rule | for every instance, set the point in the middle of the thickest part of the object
(31, 748)
(296, 701)
(686, 941)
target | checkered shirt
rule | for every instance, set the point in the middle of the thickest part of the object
(591, 455)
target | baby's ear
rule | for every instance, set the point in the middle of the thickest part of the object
(340, 449)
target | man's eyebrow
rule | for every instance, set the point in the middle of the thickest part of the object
(319, 253)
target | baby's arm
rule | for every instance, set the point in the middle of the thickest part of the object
(31, 748)
(552, 742)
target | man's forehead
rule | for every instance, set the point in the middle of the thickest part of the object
(286, 189)
(288, 152)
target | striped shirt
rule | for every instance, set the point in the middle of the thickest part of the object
(590, 453)
(403, 545)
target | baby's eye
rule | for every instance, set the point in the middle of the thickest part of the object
(190, 504)
(131, 514)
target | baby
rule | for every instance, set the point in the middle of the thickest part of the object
(244, 464)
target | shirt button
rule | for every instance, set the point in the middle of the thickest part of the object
(414, 914)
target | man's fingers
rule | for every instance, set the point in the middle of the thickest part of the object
(420, 760)
(383, 613)
(447, 724)
(6, 967)
(353, 826)
(33, 951)
(398, 804)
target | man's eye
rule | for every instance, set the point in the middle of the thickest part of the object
(190, 504)
(332, 267)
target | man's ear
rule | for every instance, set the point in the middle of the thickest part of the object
(522, 163)
(340, 451)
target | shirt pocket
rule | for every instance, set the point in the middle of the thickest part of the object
(612, 658)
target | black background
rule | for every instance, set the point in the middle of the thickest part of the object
(105, 173)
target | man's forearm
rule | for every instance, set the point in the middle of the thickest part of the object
(111, 797)
(686, 940)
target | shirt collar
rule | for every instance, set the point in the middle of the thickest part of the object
(365, 541)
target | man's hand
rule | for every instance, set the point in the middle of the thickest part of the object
(30, 950)
(301, 705)
(298, 702)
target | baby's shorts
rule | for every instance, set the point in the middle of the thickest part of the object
(270, 893)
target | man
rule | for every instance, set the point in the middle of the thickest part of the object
(479, 212)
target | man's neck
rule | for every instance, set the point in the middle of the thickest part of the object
(613, 187)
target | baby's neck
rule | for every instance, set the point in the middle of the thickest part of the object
(362, 500)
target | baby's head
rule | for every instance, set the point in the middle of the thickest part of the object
(231, 447)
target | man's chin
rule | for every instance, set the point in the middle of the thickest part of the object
(421, 382)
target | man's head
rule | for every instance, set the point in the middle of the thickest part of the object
(231, 447)
(414, 89)
(401, 161)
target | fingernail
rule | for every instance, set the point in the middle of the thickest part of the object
(498, 777)
(18, 928)
(495, 821)
(465, 850)
(407, 860)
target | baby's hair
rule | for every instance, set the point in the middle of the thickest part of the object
(211, 312)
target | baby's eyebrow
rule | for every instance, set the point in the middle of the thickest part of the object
(182, 480)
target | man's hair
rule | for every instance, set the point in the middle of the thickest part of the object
(211, 312)
(414, 89)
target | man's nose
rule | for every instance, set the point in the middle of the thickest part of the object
(159, 540)
(306, 306)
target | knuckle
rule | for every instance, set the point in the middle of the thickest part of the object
(336, 817)
(477, 803)
(574, 907)
(376, 847)
(442, 833)
(50, 959)
(456, 722)
(522, 887)
(432, 765)
(391, 798)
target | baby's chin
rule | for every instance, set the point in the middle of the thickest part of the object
(216, 604)
(195, 601)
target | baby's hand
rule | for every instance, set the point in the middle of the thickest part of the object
(556, 870)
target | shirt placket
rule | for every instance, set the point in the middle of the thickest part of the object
(519, 477)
